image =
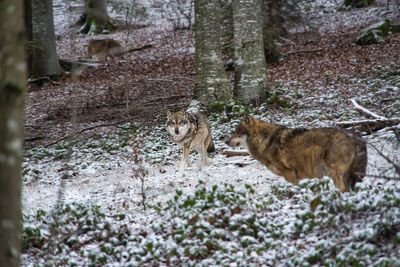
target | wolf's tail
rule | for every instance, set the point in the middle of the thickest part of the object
(211, 147)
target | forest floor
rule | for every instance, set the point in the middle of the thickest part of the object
(79, 148)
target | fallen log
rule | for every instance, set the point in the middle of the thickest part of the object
(369, 126)
(233, 153)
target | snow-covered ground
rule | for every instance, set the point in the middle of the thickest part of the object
(102, 179)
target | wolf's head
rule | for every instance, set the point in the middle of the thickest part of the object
(242, 132)
(178, 124)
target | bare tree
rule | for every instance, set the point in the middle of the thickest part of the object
(278, 16)
(211, 83)
(43, 45)
(12, 91)
(227, 25)
(272, 28)
(95, 18)
(251, 84)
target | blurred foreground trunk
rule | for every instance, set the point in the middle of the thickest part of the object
(12, 91)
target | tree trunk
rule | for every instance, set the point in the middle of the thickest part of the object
(44, 53)
(96, 19)
(273, 28)
(211, 83)
(29, 37)
(227, 26)
(12, 90)
(251, 84)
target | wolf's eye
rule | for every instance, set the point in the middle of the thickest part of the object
(169, 123)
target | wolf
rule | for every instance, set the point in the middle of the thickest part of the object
(301, 153)
(108, 47)
(190, 131)
(104, 48)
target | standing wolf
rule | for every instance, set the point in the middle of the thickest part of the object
(190, 131)
(300, 153)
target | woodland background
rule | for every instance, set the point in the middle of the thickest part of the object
(98, 176)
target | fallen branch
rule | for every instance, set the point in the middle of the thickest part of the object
(369, 126)
(139, 49)
(382, 177)
(233, 153)
(304, 51)
(84, 130)
(366, 111)
(41, 79)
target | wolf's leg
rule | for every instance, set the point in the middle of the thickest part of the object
(338, 161)
(338, 177)
(188, 162)
(202, 152)
(184, 158)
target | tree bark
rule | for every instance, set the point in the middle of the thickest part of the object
(211, 82)
(227, 26)
(251, 84)
(44, 53)
(29, 37)
(272, 29)
(12, 90)
(96, 19)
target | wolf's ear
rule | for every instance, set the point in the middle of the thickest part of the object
(168, 113)
(247, 118)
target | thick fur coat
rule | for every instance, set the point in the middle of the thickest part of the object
(304, 153)
(190, 131)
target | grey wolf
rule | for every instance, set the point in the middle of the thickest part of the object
(304, 153)
(190, 131)
(104, 48)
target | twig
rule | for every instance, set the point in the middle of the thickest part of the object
(139, 171)
(167, 80)
(45, 78)
(304, 51)
(366, 111)
(127, 105)
(139, 48)
(187, 78)
(382, 177)
(84, 130)
(395, 165)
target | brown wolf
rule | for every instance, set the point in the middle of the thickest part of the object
(109, 48)
(304, 153)
(104, 48)
(190, 131)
